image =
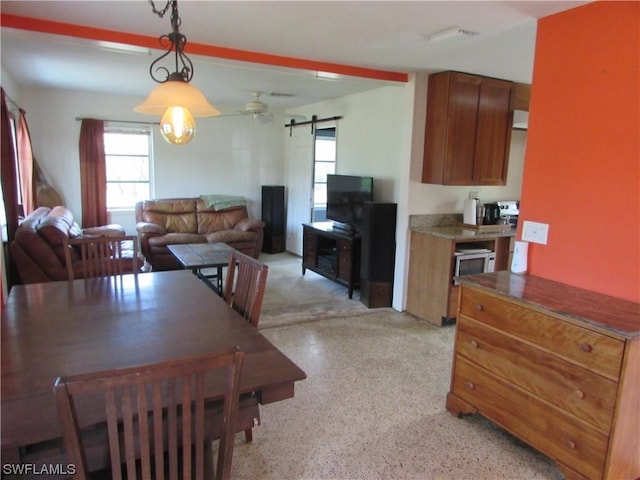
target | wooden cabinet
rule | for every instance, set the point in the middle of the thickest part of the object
(554, 365)
(468, 130)
(332, 253)
(431, 294)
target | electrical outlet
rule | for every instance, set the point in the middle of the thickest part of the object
(473, 194)
(535, 232)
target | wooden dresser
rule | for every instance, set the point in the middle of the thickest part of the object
(555, 365)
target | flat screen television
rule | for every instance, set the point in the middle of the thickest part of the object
(346, 195)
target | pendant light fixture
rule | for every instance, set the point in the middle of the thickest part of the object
(175, 99)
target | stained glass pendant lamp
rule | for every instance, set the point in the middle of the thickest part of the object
(175, 99)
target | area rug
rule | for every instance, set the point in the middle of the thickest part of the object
(292, 297)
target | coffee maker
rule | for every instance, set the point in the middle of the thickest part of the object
(491, 214)
(509, 211)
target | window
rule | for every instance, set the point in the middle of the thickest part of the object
(128, 156)
(324, 163)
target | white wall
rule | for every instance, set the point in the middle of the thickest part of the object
(10, 86)
(230, 155)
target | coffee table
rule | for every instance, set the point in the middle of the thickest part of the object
(198, 256)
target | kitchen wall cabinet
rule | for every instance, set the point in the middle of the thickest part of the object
(468, 130)
(556, 366)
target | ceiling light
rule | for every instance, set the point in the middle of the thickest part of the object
(449, 34)
(122, 47)
(327, 75)
(175, 98)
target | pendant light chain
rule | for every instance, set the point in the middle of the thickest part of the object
(160, 13)
(174, 41)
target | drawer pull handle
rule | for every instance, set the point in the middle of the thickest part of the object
(479, 307)
(474, 344)
(585, 347)
(579, 394)
(471, 386)
(571, 444)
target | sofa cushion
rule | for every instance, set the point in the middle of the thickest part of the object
(230, 236)
(56, 226)
(28, 247)
(176, 239)
(173, 215)
(210, 220)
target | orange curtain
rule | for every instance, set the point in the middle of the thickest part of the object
(25, 164)
(8, 177)
(93, 173)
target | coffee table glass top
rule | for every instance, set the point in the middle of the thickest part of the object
(201, 255)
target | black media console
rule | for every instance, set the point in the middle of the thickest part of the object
(333, 253)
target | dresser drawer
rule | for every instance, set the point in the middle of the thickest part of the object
(593, 350)
(543, 426)
(571, 387)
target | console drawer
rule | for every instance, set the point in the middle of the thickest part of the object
(593, 350)
(571, 387)
(540, 424)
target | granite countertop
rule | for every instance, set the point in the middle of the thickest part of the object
(460, 232)
(450, 226)
(612, 314)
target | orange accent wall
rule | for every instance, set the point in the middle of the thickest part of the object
(582, 164)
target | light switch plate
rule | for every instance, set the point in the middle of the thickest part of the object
(535, 232)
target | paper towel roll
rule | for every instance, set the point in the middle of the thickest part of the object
(519, 260)
(469, 212)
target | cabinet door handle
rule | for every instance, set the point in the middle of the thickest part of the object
(571, 444)
(474, 344)
(471, 386)
(580, 394)
(479, 307)
(585, 347)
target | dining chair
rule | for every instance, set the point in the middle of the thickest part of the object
(102, 256)
(151, 412)
(244, 286)
(244, 291)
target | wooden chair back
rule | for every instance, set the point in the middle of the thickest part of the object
(103, 256)
(244, 286)
(152, 411)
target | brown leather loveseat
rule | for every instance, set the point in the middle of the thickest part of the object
(37, 249)
(175, 221)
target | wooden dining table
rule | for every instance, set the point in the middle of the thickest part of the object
(70, 327)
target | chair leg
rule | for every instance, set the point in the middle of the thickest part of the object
(248, 435)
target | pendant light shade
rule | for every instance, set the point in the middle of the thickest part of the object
(177, 93)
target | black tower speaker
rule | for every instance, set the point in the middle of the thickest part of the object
(378, 255)
(273, 217)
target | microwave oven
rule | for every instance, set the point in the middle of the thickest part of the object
(472, 261)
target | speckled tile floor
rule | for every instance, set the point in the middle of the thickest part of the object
(373, 405)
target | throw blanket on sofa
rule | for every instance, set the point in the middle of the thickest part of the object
(220, 202)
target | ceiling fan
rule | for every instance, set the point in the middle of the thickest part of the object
(259, 110)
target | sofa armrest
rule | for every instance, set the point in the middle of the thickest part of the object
(248, 225)
(112, 230)
(150, 228)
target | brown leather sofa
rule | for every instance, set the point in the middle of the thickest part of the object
(175, 221)
(37, 249)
